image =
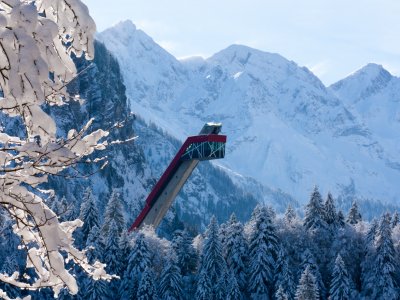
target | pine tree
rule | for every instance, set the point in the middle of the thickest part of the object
(340, 288)
(236, 250)
(222, 285)
(385, 284)
(212, 262)
(88, 214)
(314, 215)
(147, 290)
(280, 294)
(310, 263)
(340, 219)
(395, 219)
(263, 248)
(354, 215)
(9, 267)
(97, 290)
(368, 274)
(283, 275)
(307, 288)
(330, 215)
(111, 257)
(185, 253)
(138, 262)
(204, 288)
(92, 244)
(290, 215)
(114, 212)
(233, 291)
(124, 246)
(171, 282)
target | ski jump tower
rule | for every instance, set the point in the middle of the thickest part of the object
(207, 145)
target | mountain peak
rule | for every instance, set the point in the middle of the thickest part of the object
(368, 80)
(126, 25)
(373, 71)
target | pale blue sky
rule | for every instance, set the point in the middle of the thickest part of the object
(331, 37)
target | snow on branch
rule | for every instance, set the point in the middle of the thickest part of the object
(37, 39)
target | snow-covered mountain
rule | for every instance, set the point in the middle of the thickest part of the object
(373, 94)
(285, 129)
(135, 166)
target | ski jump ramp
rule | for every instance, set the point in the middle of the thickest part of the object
(207, 145)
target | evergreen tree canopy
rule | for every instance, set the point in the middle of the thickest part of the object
(89, 214)
(92, 243)
(330, 215)
(114, 211)
(204, 289)
(185, 253)
(395, 219)
(385, 283)
(138, 262)
(147, 289)
(236, 251)
(310, 263)
(341, 288)
(354, 214)
(283, 275)
(307, 288)
(212, 262)
(280, 294)
(314, 213)
(263, 249)
(233, 291)
(171, 282)
(290, 215)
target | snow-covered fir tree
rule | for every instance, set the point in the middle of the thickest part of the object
(385, 282)
(236, 251)
(354, 215)
(368, 273)
(89, 214)
(330, 214)
(233, 291)
(341, 287)
(139, 260)
(212, 262)
(111, 257)
(124, 250)
(185, 253)
(147, 289)
(96, 290)
(314, 212)
(10, 266)
(170, 287)
(310, 263)
(283, 275)
(290, 215)
(114, 212)
(307, 288)
(94, 249)
(263, 249)
(280, 294)
(340, 219)
(204, 287)
(395, 219)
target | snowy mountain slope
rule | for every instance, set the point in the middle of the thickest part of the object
(373, 94)
(135, 166)
(285, 128)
